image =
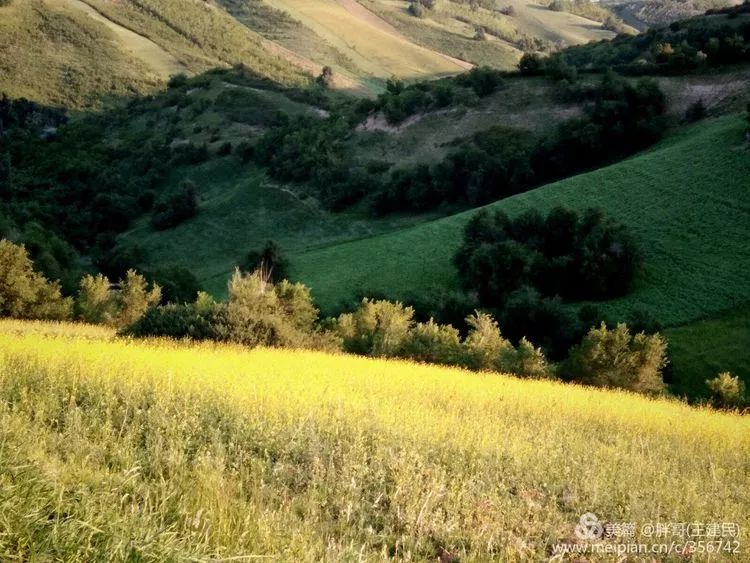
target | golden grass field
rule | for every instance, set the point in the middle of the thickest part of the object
(161, 62)
(155, 450)
(374, 46)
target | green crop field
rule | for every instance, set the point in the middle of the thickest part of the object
(701, 349)
(240, 210)
(686, 200)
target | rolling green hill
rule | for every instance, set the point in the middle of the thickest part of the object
(686, 199)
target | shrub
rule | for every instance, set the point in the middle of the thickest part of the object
(261, 314)
(546, 321)
(325, 78)
(134, 298)
(416, 9)
(525, 360)
(530, 64)
(484, 344)
(178, 284)
(482, 79)
(179, 321)
(613, 358)
(432, 343)
(445, 306)
(24, 293)
(727, 391)
(695, 112)
(175, 209)
(376, 328)
(95, 301)
(269, 259)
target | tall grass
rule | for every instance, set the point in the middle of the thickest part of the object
(115, 449)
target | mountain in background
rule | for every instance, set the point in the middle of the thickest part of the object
(642, 14)
(75, 53)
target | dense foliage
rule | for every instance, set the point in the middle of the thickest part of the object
(260, 312)
(400, 101)
(24, 293)
(175, 208)
(574, 256)
(616, 358)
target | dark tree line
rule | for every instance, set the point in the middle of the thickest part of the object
(622, 119)
(566, 254)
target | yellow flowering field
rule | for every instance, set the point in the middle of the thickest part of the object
(113, 449)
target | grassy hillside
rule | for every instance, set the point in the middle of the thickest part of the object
(375, 47)
(451, 28)
(160, 451)
(199, 35)
(686, 200)
(53, 52)
(709, 346)
(241, 208)
(75, 52)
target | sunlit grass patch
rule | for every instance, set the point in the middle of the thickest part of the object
(160, 450)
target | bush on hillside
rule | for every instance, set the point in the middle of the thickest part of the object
(325, 78)
(727, 391)
(95, 301)
(432, 343)
(133, 298)
(269, 259)
(189, 320)
(526, 360)
(177, 208)
(484, 344)
(259, 313)
(24, 293)
(120, 305)
(530, 64)
(416, 9)
(615, 358)
(483, 80)
(444, 305)
(376, 328)
(178, 284)
(543, 320)
(485, 348)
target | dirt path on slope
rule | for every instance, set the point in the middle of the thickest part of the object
(360, 12)
(155, 57)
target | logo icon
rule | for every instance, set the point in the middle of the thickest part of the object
(589, 527)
